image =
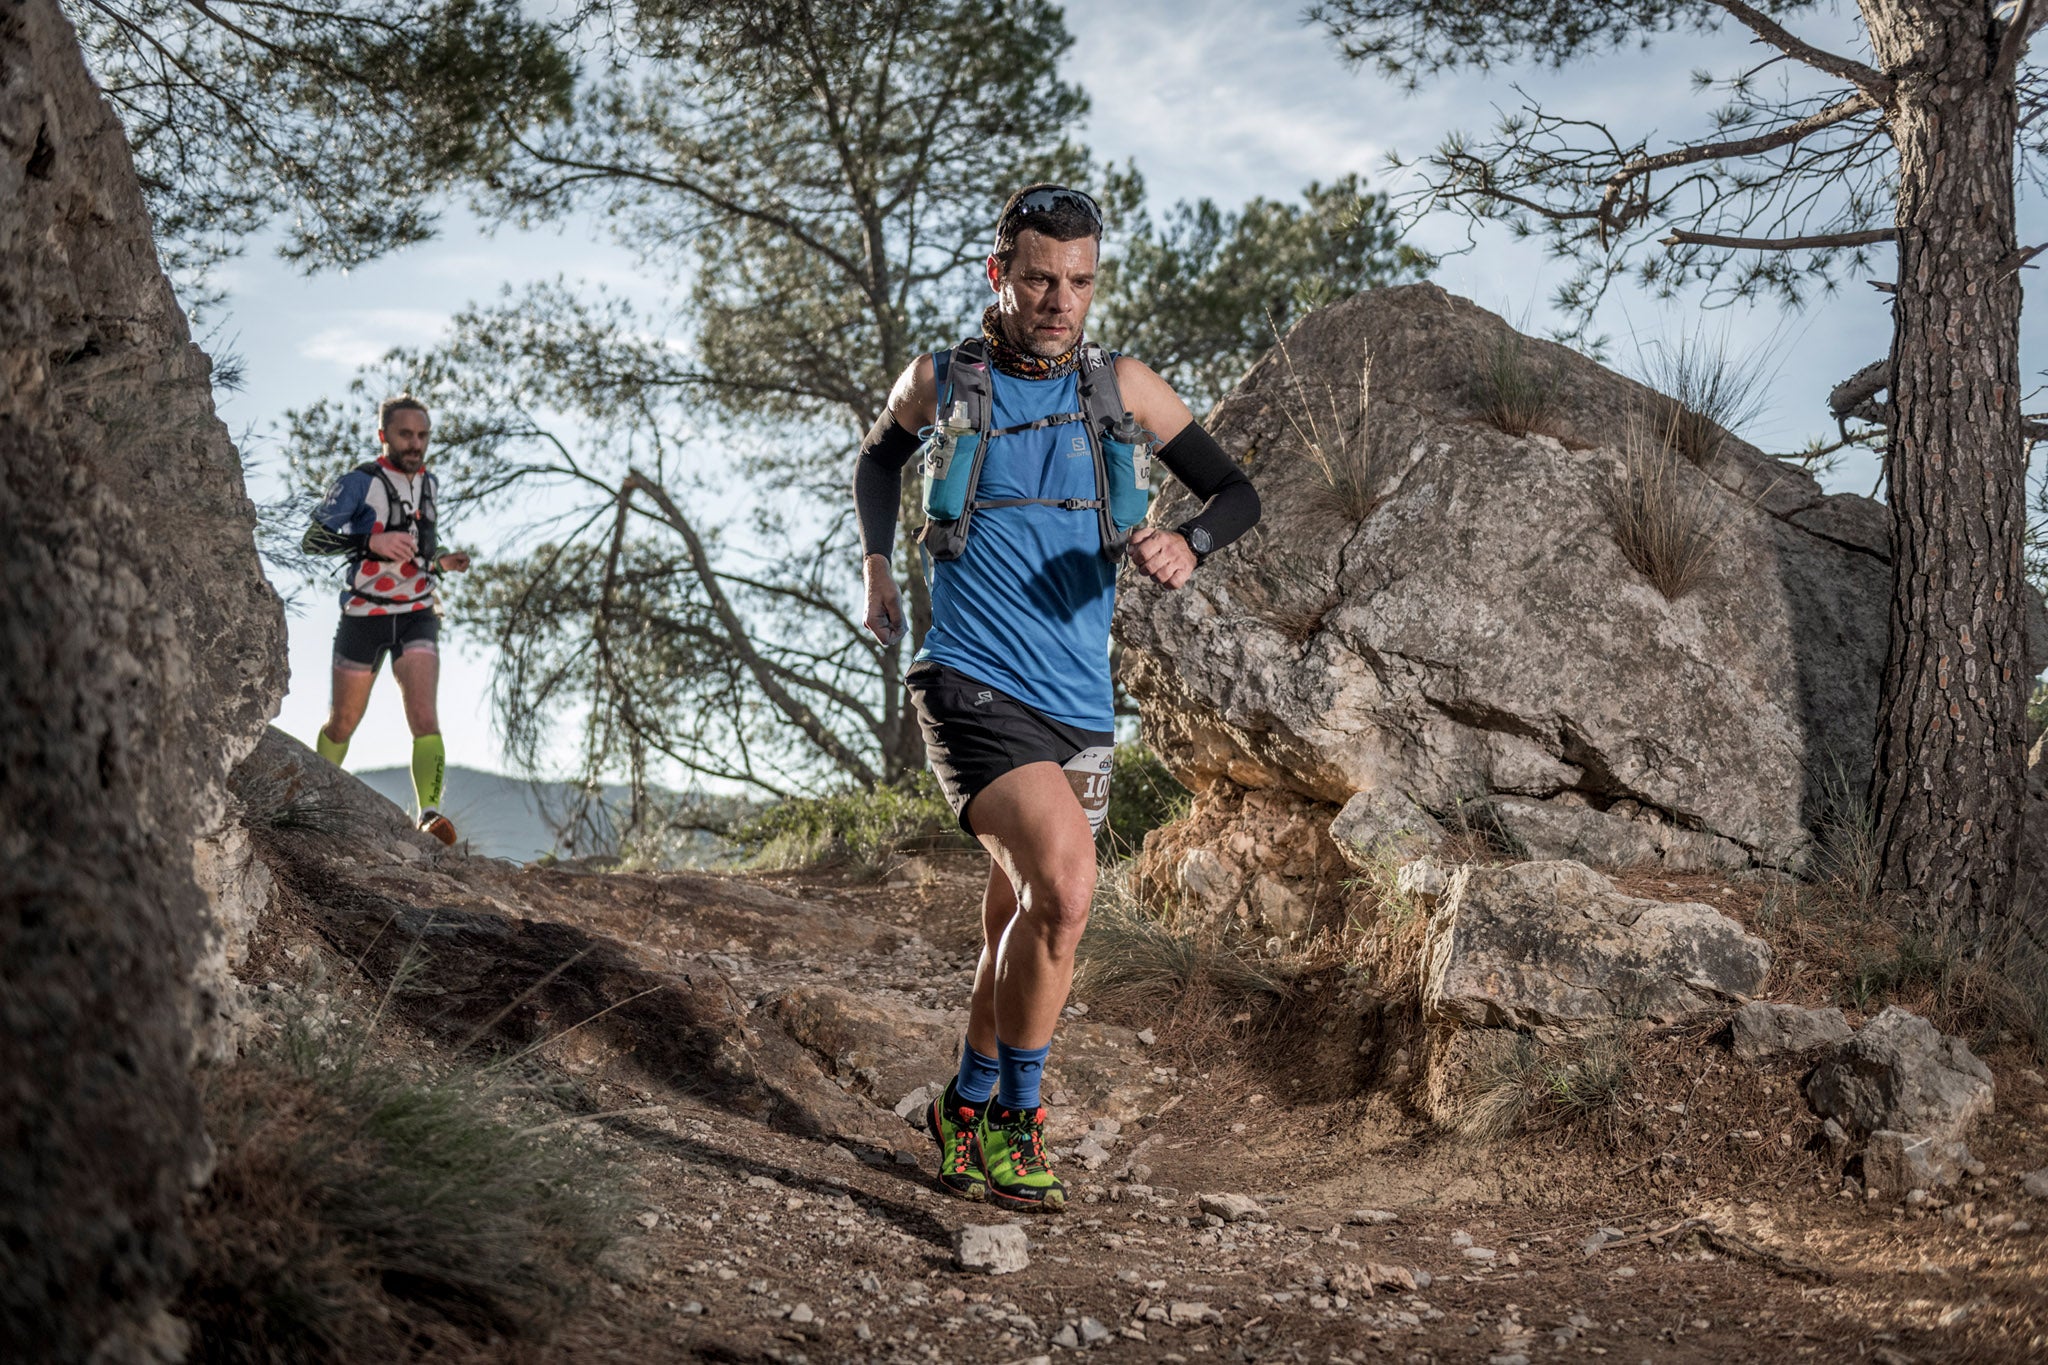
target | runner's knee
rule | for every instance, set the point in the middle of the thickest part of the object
(1060, 904)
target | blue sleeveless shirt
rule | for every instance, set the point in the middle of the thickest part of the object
(1026, 607)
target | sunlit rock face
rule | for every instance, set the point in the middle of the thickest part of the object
(1477, 644)
(142, 653)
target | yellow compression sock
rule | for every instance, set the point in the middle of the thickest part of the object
(429, 771)
(333, 750)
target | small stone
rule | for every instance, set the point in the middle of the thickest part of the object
(691, 1309)
(1508, 1358)
(991, 1250)
(912, 1106)
(1461, 1238)
(1107, 1126)
(1093, 1332)
(1477, 1253)
(648, 1219)
(802, 1313)
(1231, 1208)
(1091, 1153)
(1390, 1276)
(904, 1157)
(2036, 1183)
(1190, 1313)
(1370, 1218)
(1147, 1037)
(1953, 1317)
(1067, 1339)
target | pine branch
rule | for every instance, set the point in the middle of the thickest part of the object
(1867, 79)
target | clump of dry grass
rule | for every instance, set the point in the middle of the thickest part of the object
(1133, 955)
(1704, 393)
(1667, 519)
(1531, 1084)
(1513, 391)
(361, 1213)
(1353, 467)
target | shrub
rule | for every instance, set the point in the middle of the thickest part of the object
(863, 831)
(1666, 518)
(1513, 391)
(1143, 795)
(358, 1213)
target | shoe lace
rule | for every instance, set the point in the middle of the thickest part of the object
(1025, 1131)
(963, 1144)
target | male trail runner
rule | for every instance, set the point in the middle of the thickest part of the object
(381, 516)
(1012, 687)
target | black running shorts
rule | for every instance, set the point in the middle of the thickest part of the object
(361, 642)
(974, 734)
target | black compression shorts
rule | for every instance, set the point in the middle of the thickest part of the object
(361, 642)
(973, 734)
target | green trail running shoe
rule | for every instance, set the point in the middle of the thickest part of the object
(953, 1123)
(1013, 1155)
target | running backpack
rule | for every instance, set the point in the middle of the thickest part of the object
(952, 455)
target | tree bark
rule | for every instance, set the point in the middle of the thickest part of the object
(1946, 793)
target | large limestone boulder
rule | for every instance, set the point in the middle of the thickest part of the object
(1477, 644)
(1554, 946)
(1900, 1074)
(139, 653)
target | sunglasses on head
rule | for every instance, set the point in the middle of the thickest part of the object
(1046, 200)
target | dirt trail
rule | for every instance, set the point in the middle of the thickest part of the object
(758, 1033)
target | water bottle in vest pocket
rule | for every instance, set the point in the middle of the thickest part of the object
(948, 458)
(1127, 460)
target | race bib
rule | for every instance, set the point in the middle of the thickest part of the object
(1088, 774)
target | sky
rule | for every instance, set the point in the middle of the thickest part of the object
(1209, 99)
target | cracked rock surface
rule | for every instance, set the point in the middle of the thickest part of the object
(1478, 642)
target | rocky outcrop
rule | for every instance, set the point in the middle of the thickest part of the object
(1478, 645)
(141, 653)
(1555, 947)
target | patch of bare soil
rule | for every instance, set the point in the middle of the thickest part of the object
(738, 1046)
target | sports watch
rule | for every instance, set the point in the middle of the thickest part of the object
(1198, 538)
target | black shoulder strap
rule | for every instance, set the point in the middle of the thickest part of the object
(961, 375)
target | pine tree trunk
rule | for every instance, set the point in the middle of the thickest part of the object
(1950, 773)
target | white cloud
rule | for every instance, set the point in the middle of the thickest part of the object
(361, 336)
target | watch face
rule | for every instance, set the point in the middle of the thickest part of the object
(1199, 540)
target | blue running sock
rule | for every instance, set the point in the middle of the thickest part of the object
(977, 1079)
(1020, 1069)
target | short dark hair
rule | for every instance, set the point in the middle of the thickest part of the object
(401, 403)
(1065, 215)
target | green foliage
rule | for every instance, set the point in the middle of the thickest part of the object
(359, 1212)
(863, 831)
(1200, 296)
(1143, 795)
(347, 121)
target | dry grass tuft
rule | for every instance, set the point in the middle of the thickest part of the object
(1354, 468)
(1704, 394)
(1532, 1085)
(1130, 955)
(1667, 519)
(360, 1213)
(1513, 391)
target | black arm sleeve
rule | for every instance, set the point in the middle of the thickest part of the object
(878, 483)
(1230, 504)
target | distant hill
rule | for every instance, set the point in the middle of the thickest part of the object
(512, 817)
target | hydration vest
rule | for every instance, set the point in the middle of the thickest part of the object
(952, 467)
(403, 517)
